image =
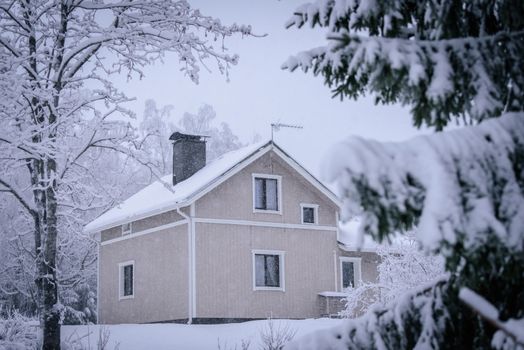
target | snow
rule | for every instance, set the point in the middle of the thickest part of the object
(161, 196)
(478, 303)
(413, 178)
(353, 238)
(181, 336)
(508, 331)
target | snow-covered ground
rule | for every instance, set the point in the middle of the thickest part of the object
(181, 336)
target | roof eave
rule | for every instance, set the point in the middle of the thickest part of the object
(100, 228)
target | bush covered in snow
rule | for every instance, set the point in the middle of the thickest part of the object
(403, 267)
(18, 332)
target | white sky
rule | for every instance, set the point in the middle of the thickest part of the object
(259, 92)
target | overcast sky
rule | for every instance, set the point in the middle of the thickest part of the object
(259, 92)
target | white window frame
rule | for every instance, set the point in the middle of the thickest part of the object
(281, 269)
(121, 266)
(279, 193)
(357, 270)
(315, 213)
(127, 228)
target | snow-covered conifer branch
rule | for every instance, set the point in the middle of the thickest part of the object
(445, 183)
(468, 70)
(418, 319)
(513, 328)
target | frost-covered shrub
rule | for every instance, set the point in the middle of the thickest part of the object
(276, 334)
(18, 332)
(403, 267)
(79, 305)
(102, 342)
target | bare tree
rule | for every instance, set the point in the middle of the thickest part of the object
(60, 109)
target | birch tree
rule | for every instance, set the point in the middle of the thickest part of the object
(59, 107)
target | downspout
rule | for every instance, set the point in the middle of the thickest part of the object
(337, 219)
(98, 241)
(193, 256)
(335, 266)
(190, 265)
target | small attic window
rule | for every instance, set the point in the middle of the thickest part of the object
(126, 228)
(309, 213)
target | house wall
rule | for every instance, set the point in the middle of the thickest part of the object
(233, 199)
(369, 263)
(143, 224)
(224, 271)
(224, 267)
(161, 278)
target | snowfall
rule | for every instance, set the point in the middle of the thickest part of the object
(182, 336)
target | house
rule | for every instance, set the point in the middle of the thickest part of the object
(250, 235)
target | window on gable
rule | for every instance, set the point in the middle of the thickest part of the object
(126, 283)
(350, 271)
(309, 213)
(126, 228)
(266, 193)
(268, 270)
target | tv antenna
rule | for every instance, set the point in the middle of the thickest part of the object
(278, 125)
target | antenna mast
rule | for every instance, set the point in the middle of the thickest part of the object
(277, 126)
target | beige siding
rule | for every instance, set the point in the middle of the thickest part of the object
(233, 199)
(143, 224)
(161, 275)
(224, 271)
(113, 232)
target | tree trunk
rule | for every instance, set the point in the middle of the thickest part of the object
(42, 171)
(51, 306)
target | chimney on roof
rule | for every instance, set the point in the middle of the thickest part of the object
(189, 155)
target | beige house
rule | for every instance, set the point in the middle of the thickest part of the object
(250, 235)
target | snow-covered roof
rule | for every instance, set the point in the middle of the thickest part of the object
(161, 196)
(349, 238)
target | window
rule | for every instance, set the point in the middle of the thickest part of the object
(309, 213)
(126, 275)
(266, 193)
(268, 270)
(126, 228)
(350, 272)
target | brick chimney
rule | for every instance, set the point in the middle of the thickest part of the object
(189, 155)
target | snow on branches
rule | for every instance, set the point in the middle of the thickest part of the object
(461, 187)
(389, 327)
(413, 53)
(510, 333)
(464, 191)
(403, 267)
